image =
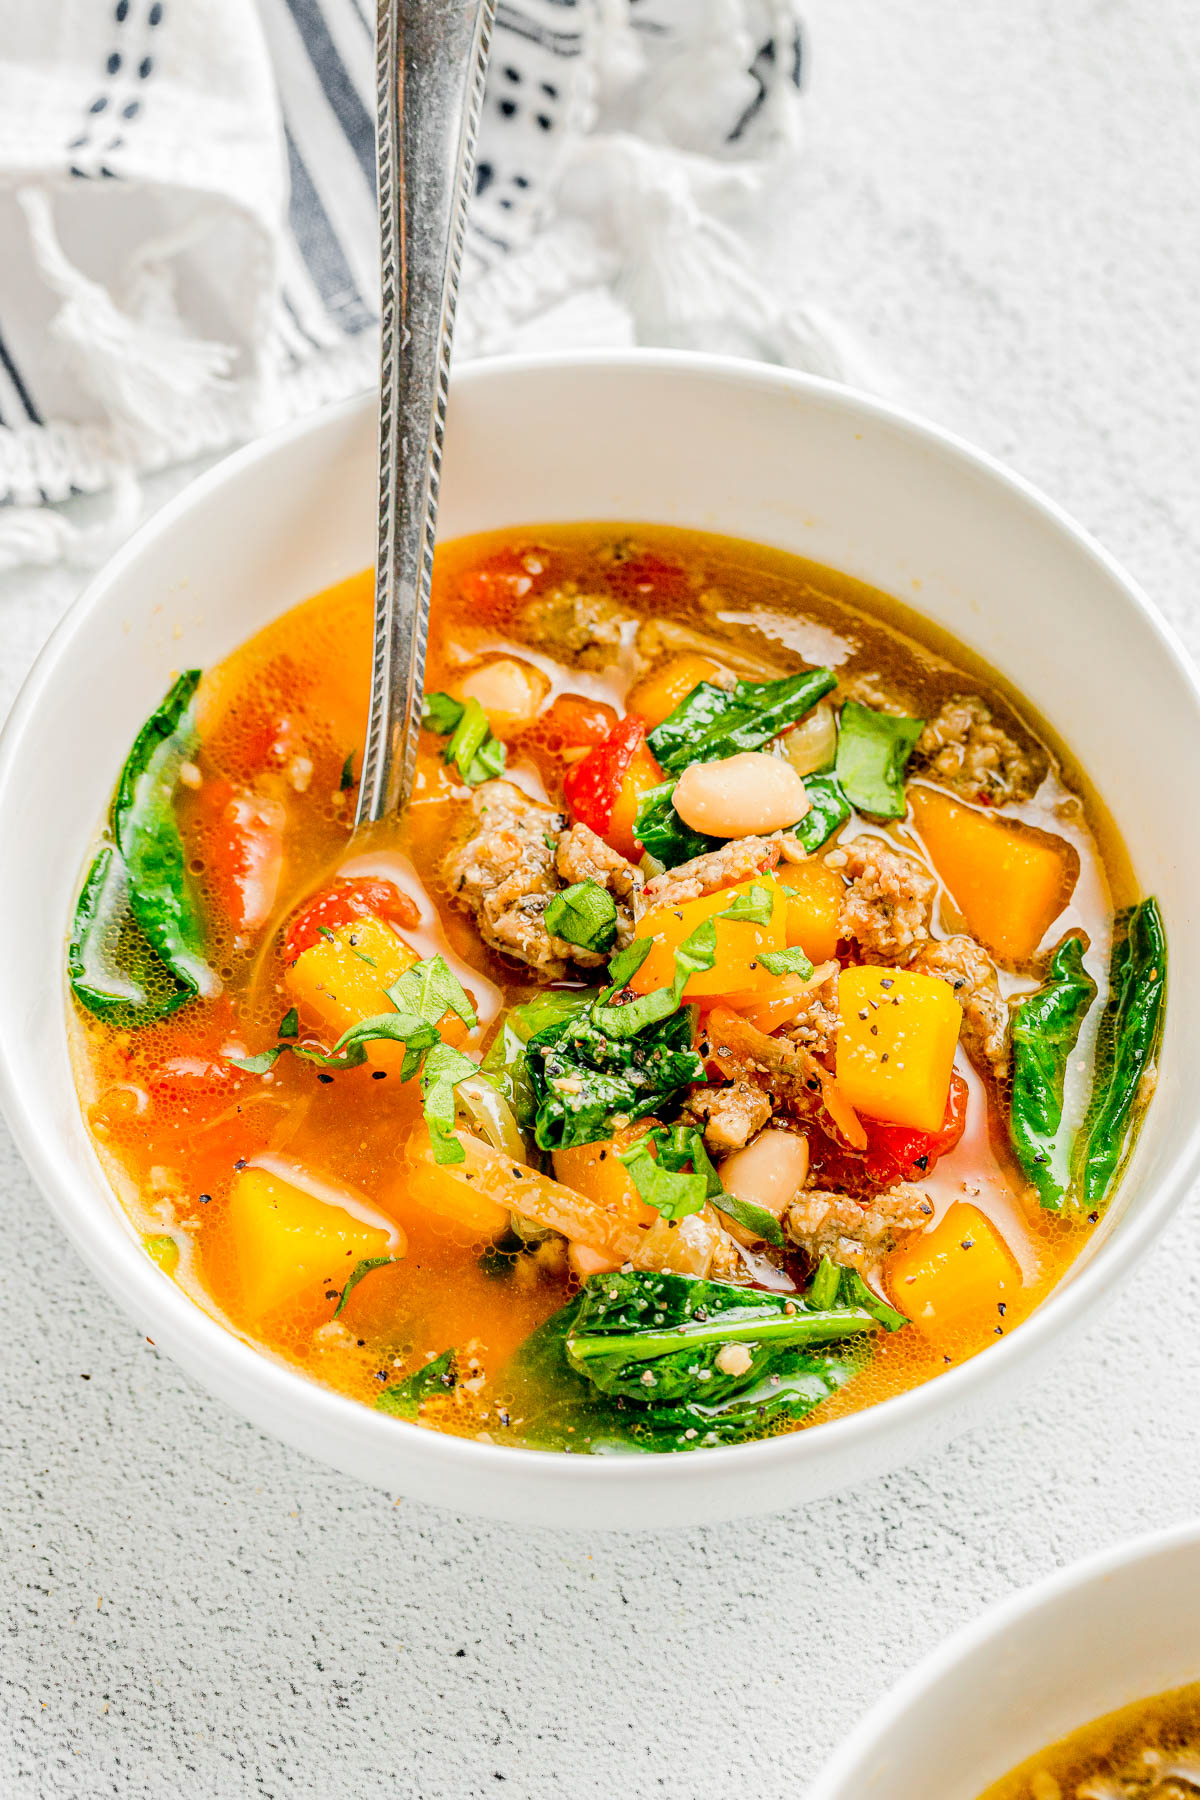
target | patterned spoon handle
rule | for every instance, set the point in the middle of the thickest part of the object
(432, 61)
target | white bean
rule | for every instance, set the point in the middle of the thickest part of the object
(769, 1172)
(510, 692)
(740, 796)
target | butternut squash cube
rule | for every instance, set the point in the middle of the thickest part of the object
(955, 1276)
(286, 1241)
(740, 942)
(814, 907)
(1009, 880)
(338, 982)
(897, 1034)
(659, 693)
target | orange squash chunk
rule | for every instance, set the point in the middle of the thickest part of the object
(740, 942)
(897, 1035)
(956, 1275)
(1009, 880)
(814, 906)
(659, 693)
(286, 1242)
(336, 983)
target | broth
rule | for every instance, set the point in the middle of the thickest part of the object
(264, 803)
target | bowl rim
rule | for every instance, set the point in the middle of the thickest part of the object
(195, 1337)
(875, 1725)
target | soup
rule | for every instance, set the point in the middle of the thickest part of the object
(747, 1020)
(1149, 1751)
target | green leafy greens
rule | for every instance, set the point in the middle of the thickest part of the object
(873, 749)
(791, 961)
(609, 1062)
(665, 1362)
(477, 755)
(828, 809)
(584, 914)
(136, 951)
(1130, 1030)
(713, 722)
(404, 1399)
(1045, 1030)
(356, 1274)
(754, 907)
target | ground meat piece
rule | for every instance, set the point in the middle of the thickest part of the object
(505, 874)
(971, 972)
(816, 1028)
(856, 1234)
(966, 751)
(733, 862)
(889, 902)
(729, 1116)
(789, 1074)
(589, 630)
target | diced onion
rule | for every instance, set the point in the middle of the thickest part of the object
(812, 744)
(493, 1116)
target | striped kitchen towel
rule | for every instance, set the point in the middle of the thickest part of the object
(188, 245)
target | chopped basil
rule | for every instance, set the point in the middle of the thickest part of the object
(625, 964)
(584, 914)
(259, 1063)
(346, 779)
(443, 1068)
(754, 907)
(404, 1399)
(289, 1025)
(753, 1218)
(786, 962)
(441, 713)
(430, 989)
(873, 748)
(356, 1274)
(696, 953)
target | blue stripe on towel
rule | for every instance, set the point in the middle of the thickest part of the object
(321, 248)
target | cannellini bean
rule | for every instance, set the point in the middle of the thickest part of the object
(510, 692)
(769, 1172)
(813, 743)
(740, 796)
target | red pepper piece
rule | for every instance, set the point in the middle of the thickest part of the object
(363, 897)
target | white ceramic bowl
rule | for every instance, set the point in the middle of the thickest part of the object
(1118, 1628)
(663, 437)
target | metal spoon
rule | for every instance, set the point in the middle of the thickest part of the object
(432, 60)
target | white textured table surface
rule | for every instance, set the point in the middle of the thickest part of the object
(1000, 199)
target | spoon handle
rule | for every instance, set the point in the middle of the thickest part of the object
(432, 61)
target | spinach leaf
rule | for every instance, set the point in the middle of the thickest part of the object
(1128, 1044)
(713, 722)
(662, 833)
(1045, 1030)
(356, 1274)
(852, 1290)
(828, 808)
(112, 969)
(583, 914)
(147, 837)
(752, 1218)
(136, 947)
(664, 1338)
(582, 1077)
(873, 748)
(404, 1399)
(564, 1410)
(506, 1064)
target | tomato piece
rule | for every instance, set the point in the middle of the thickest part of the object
(633, 577)
(241, 844)
(509, 574)
(360, 897)
(604, 790)
(894, 1152)
(573, 721)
